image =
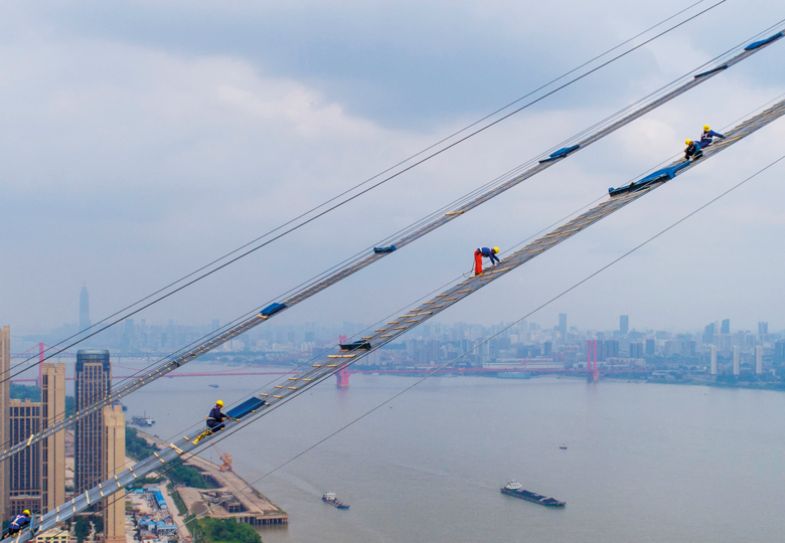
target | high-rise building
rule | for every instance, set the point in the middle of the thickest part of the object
(725, 328)
(37, 474)
(563, 325)
(713, 360)
(779, 352)
(709, 332)
(624, 324)
(759, 360)
(24, 485)
(636, 350)
(651, 346)
(93, 382)
(763, 329)
(53, 447)
(5, 397)
(736, 361)
(84, 309)
(114, 463)
(608, 349)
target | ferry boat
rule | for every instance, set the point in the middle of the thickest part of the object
(514, 488)
(329, 497)
(144, 421)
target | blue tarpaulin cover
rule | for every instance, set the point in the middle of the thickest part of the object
(761, 43)
(272, 309)
(248, 406)
(560, 153)
(387, 249)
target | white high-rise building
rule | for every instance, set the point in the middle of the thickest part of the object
(736, 361)
(759, 360)
(713, 368)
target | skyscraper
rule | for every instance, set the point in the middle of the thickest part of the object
(736, 361)
(758, 360)
(779, 352)
(53, 447)
(84, 309)
(24, 485)
(763, 329)
(563, 325)
(5, 367)
(93, 382)
(624, 324)
(113, 463)
(725, 329)
(37, 474)
(709, 332)
(713, 360)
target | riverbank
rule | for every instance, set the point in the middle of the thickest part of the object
(227, 496)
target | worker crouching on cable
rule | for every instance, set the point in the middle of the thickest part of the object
(693, 150)
(485, 252)
(215, 421)
(708, 135)
(20, 522)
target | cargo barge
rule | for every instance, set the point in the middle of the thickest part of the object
(515, 489)
(330, 498)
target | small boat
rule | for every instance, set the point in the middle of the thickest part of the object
(144, 421)
(563, 447)
(213, 385)
(329, 497)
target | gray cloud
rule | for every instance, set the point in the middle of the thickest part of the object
(140, 140)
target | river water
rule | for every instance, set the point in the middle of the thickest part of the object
(645, 463)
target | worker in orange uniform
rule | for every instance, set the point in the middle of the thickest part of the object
(485, 252)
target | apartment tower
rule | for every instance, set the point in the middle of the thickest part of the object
(53, 447)
(114, 463)
(5, 398)
(24, 485)
(93, 381)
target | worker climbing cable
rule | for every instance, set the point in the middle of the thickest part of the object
(20, 522)
(693, 150)
(215, 421)
(708, 135)
(485, 252)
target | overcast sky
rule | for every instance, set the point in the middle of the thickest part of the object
(140, 139)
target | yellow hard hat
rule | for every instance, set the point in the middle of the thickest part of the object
(219, 403)
(706, 127)
(26, 512)
(496, 250)
(687, 141)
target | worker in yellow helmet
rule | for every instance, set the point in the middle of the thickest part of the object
(20, 522)
(485, 252)
(215, 421)
(707, 138)
(693, 150)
